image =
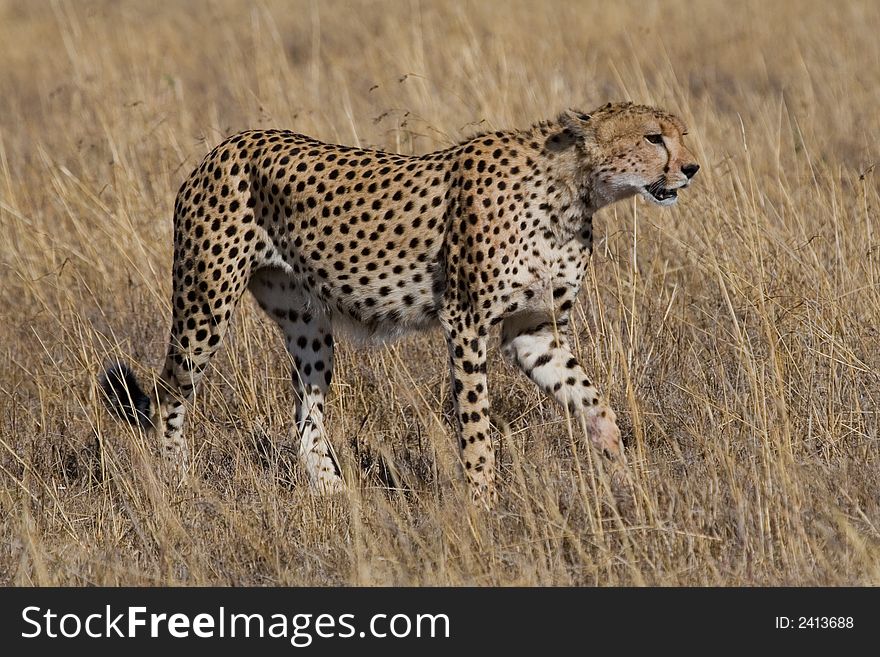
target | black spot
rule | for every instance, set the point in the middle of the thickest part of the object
(542, 360)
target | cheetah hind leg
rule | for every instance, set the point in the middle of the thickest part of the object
(308, 337)
(202, 308)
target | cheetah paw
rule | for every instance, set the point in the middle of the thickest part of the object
(484, 495)
(325, 476)
(329, 485)
(603, 432)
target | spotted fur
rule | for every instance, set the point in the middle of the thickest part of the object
(495, 230)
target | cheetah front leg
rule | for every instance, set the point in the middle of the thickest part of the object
(535, 345)
(467, 357)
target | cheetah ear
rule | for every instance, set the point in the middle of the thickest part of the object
(578, 123)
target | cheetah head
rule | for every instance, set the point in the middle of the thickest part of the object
(631, 149)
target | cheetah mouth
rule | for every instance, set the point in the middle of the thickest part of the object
(660, 194)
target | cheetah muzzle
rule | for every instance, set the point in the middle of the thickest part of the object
(334, 239)
(660, 194)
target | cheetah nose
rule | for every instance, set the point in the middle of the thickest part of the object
(690, 170)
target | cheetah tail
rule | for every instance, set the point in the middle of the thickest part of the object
(125, 397)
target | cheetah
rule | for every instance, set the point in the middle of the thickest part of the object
(494, 230)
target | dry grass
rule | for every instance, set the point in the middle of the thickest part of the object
(736, 334)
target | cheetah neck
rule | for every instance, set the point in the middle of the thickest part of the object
(562, 180)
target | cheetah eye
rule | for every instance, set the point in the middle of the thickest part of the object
(654, 139)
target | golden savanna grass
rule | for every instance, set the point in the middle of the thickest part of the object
(736, 334)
